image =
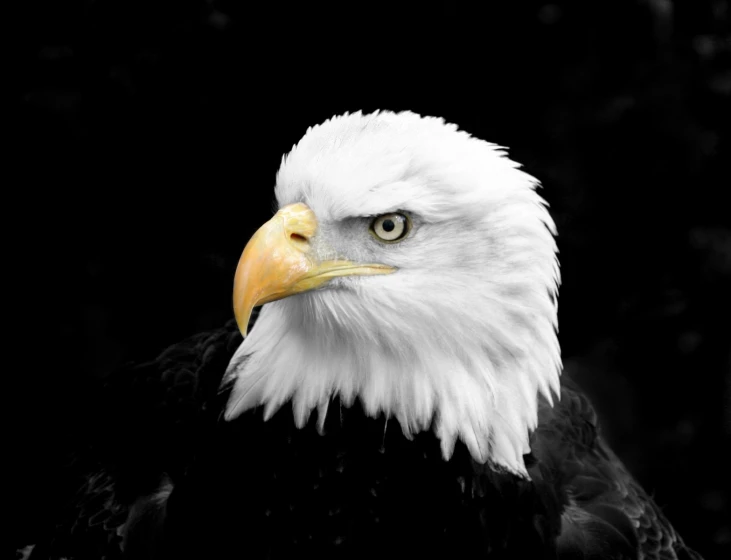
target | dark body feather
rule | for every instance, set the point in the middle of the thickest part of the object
(165, 477)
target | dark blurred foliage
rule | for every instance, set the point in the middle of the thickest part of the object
(151, 132)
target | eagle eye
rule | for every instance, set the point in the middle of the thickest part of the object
(390, 228)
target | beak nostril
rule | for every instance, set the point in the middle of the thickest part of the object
(297, 237)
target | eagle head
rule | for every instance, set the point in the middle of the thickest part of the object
(412, 266)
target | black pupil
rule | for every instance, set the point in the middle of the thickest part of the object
(388, 225)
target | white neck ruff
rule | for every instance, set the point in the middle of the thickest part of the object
(481, 389)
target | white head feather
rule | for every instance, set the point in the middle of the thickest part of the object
(463, 336)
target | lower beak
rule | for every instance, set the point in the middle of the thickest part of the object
(278, 262)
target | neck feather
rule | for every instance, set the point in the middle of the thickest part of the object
(469, 381)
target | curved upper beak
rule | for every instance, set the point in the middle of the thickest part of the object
(278, 261)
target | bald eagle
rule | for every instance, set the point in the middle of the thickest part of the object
(398, 395)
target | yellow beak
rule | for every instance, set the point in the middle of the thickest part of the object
(278, 262)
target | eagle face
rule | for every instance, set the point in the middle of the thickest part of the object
(411, 266)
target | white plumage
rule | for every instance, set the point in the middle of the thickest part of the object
(480, 263)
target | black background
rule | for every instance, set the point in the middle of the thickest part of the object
(152, 131)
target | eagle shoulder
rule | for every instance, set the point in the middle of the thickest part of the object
(605, 512)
